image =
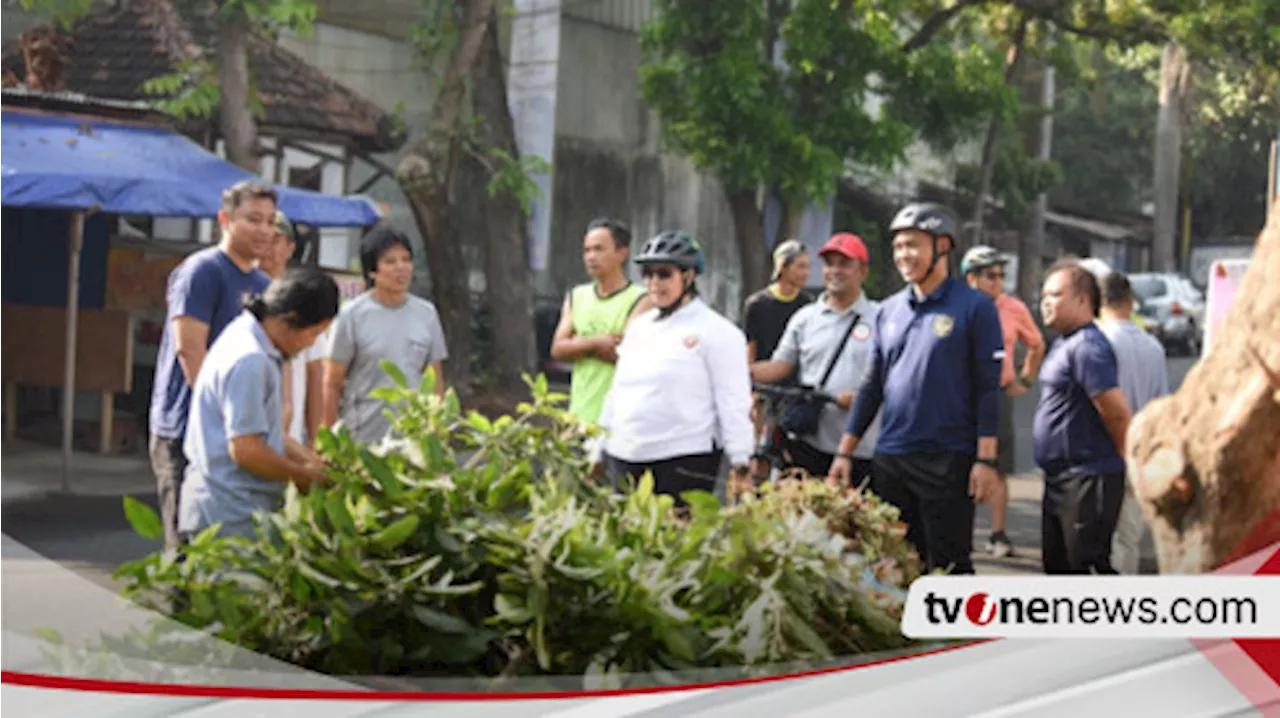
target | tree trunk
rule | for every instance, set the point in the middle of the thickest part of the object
(426, 175)
(1031, 245)
(508, 279)
(1205, 462)
(1174, 72)
(235, 118)
(748, 230)
(1012, 57)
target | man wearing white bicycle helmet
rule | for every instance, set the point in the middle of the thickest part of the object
(681, 395)
(984, 269)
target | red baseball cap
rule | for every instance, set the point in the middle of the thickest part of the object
(850, 245)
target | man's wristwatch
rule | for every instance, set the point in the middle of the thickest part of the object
(1025, 381)
(993, 463)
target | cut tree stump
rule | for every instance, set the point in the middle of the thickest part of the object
(1205, 462)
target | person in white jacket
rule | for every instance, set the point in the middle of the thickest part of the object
(681, 395)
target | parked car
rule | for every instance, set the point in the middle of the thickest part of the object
(1172, 309)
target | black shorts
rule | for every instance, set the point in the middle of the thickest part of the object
(932, 492)
(670, 476)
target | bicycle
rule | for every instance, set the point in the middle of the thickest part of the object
(768, 460)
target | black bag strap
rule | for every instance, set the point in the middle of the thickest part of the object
(844, 339)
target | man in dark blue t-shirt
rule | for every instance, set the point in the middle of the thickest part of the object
(936, 357)
(1080, 428)
(204, 294)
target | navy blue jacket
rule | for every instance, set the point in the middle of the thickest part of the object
(935, 368)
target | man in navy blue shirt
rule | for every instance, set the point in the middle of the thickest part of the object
(204, 294)
(1080, 428)
(937, 352)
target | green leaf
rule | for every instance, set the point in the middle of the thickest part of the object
(397, 533)
(438, 621)
(381, 473)
(315, 575)
(393, 372)
(143, 519)
(702, 504)
(511, 608)
(336, 508)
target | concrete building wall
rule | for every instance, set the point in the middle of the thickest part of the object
(389, 72)
(608, 160)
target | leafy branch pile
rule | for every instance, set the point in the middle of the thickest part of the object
(476, 548)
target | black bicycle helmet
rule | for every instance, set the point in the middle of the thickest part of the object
(932, 219)
(675, 247)
(929, 217)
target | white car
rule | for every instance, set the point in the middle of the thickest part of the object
(1172, 308)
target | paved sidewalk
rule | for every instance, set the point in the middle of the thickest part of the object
(1023, 527)
(34, 471)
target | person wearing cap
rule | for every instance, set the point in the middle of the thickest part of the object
(304, 387)
(984, 269)
(839, 321)
(936, 355)
(766, 312)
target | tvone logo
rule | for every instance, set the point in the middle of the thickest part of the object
(980, 609)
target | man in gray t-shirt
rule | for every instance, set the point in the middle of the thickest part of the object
(1141, 372)
(386, 322)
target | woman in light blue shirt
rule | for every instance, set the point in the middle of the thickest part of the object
(239, 458)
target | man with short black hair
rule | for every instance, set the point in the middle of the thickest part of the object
(1080, 427)
(935, 368)
(1143, 376)
(205, 293)
(594, 316)
(386, 322)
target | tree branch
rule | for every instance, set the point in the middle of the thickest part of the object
(935, 22)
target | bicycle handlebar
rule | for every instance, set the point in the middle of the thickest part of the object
(792, 392)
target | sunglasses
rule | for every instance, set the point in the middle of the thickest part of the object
(993, 275)
(659, 272)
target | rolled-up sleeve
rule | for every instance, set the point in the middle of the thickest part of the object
(245, 397)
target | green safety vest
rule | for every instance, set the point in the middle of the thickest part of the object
(594, 316)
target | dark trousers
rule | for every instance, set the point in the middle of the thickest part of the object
(670, 476)
(818, 462)
(169, 464)
(932, 493)
(1078, 521)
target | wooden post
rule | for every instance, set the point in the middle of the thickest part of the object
(106, 422)
(75, 242)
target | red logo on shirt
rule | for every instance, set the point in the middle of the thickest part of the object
(862, 332)
(691, 341)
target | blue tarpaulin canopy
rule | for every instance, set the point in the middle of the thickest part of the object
(53, 162)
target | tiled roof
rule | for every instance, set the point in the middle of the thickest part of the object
(117, 48)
